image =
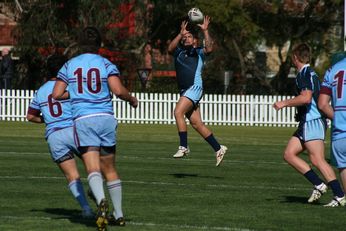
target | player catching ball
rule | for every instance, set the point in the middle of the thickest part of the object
(189, 62)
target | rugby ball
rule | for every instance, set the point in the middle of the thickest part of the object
(195, 15)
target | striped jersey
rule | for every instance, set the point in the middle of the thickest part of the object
(334, 84)
(57, 114)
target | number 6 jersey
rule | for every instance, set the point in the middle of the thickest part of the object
(87, 78)
(56, 114)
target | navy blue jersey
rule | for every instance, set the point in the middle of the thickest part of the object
(307, 79)
(188, 66)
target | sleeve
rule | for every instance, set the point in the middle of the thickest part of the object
(326, 86)
(111, 69)
(63, 74)
(34, 107)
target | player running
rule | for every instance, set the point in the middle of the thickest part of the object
(57, 115)
(90, 79)
(311, 130)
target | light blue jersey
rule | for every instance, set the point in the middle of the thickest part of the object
(56, 114)
(87, 79)
(334, 84)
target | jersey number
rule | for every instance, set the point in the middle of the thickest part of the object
(54, 104)
(93, 73)
(340, 83)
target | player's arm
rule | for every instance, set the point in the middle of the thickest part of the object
(120, 91)
(174, 43)
(33, 115)
(303, 98)
(324, 105)
(208, 41)
(59, 91)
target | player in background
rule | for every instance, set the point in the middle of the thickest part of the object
(57, 115)
(91, 79)
(332, 89)
(189, 62)
(311, 130)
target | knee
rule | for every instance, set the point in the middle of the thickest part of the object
(288, 156)
(178, 113)
(72, 177)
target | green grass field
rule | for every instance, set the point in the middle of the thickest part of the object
(252, 190)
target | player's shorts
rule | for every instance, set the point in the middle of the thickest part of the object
(61, 145)
(96, 131)
(193, 93)
(339, 153)
(311, 130)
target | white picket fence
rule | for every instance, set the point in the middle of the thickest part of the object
(157, 108)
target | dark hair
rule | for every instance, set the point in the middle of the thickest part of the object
(302, 52)
(54, 63)
(90, 39)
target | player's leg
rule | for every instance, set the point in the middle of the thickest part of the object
(108, 142)
(60, 145)
(291, 156)
(88, 142)
(314, 135)
(114, 187)
(196, 122)
(183, 106)
(69, 169)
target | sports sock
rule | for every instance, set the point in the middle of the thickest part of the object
(336, 188)
(114, 188)
(313, 178)
(76, 188)
(96, 185)
(183, 139)
(213, 142)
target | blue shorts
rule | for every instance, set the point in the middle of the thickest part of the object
(339, 153)
(61, 145)
(193, 93)
(96, 131)
(311, 130)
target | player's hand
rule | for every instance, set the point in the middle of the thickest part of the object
(205, 24)
(133, 102)
(183, 30)
(279, 105)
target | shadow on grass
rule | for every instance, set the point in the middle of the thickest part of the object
(74, 215)
(185, 175)
(297, 200)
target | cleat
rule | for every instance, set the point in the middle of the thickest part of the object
(317, 192)
(116, 222)
(220, 154)
(337, 201)
(101, 216)
(88, 213)
(182, 151)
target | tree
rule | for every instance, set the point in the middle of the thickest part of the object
(47, 26)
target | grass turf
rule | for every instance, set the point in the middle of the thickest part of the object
(253, 189)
